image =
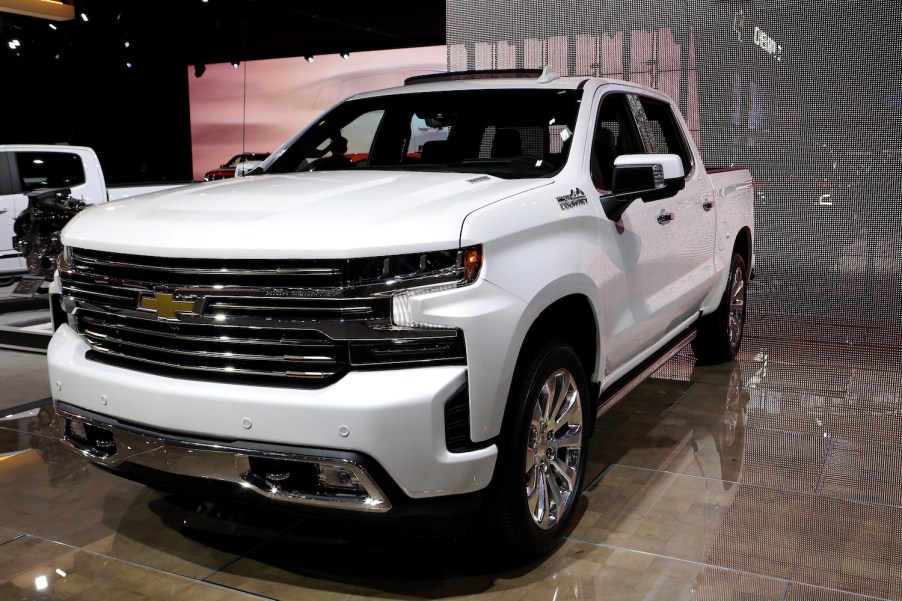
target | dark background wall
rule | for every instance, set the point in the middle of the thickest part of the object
(72, 85)
(807, 95)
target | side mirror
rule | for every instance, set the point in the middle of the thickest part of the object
(647, 173)
(649, 176)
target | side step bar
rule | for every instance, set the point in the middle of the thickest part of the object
(613, 395)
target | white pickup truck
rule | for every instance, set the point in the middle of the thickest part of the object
(29, 168)
(372, 329)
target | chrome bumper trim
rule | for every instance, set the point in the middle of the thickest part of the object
(114, 445)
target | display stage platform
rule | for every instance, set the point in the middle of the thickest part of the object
(24, 321)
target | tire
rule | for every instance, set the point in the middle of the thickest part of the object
(719, 334)
(539, 474)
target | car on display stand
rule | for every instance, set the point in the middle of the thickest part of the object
(431, 331)
(238, 165)
(41, 188)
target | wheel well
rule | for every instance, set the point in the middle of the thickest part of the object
(743, 245)
(572, 320)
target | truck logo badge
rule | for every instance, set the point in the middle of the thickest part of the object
(165, 305)
(576, 198)
(481, 178)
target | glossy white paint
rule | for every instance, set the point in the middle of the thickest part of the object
(337, 214)
(130, 191)
(671, 164)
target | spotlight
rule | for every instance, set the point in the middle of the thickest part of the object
(345, 55)
(84, 17)
(235, 64)
(52, 26)
(128, 64)
(199, 69)
(128, 44)
(309, 58)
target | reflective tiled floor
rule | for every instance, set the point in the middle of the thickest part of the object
(776, 477)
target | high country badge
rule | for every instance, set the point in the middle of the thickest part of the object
(576, 198)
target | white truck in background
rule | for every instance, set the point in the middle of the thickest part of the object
(413, 333)
(29, 168)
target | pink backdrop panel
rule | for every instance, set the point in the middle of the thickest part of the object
(258, 106)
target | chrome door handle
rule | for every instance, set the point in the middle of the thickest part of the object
(666, 218)
(708, 205)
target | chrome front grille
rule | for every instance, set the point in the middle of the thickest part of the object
(140, 313)
(205, 348)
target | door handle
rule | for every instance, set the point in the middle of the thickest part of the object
(666, 217)
(2, 211)
(708, 205)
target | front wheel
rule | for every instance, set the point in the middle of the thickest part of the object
(720, 333)
(542, 452)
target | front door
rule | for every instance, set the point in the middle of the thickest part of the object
(661, 250)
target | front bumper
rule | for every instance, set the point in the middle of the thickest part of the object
(395, 417)
(305, 477)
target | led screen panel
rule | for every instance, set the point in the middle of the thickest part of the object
(809, 98)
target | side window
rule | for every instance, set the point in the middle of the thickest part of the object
(330, 148)
(49, 170)
(6, 186)
(661, 133)
(360, 133)
(615, 134)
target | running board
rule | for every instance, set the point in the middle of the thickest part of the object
(613, 395)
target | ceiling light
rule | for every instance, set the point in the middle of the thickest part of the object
(128, 64)
(52, 26)
(199, 69)
(84, 17)
(345, 55)
(235, 64)
(309, 58)
(127, 44)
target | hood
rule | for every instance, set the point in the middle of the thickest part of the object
(338, 214)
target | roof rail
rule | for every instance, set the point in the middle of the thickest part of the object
(482, 74)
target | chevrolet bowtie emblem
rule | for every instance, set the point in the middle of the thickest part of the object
(165, 305)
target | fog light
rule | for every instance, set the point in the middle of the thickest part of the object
(338, 479)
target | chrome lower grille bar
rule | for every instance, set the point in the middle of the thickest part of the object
(303, 479)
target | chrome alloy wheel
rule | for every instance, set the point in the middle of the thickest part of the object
(553, 449)
(737, 306)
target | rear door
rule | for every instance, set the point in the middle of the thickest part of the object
(692, 224)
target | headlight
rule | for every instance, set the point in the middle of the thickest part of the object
(389, 273)
(407, 276)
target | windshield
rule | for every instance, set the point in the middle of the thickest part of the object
(506, 133)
